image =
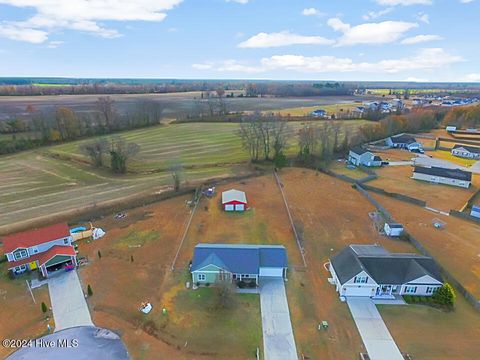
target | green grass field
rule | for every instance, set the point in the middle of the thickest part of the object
(35, 184)
(337, 109)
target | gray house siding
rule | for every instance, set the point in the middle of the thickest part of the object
(441, 180)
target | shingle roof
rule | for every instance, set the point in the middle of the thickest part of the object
(43, 257)
(30, 238)
(395, 226)
(403, 139)
(241, 259)
(233, 195)
(442, 172)
(382, 266)
(359, 150)
(472, 149)
(377, 158)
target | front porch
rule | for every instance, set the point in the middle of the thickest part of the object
(387, 292)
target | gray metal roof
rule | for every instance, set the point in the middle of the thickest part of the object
(472, 149)
(395, 226)
(233, 195)
(446, 173)
(382, 266)
(403, 139)
(240, 259)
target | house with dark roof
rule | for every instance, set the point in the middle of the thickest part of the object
(438, 175)
(43, 249)
(467, 152)
(403, 141)
(213, 263)
(234, 200)
(319, 113)
(393, 229)
(475, 212)
(372, 271)
(359, 156)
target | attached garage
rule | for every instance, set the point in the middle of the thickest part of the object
(271, 272)
(234, 200)
(357, 291)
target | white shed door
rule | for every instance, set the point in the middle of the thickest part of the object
(229, 207)
(239, 207)
(271, 272)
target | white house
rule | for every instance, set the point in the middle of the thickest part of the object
(475, 211)
(451, 128)
(403, 141)
(46, 249)
(358, 156)
(467, 152)
(371, 271)
(392, 229)
(438, 175)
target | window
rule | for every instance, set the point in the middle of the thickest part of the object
(20, 269)
(65, 241)
(20, 254)
(360, 280)
(410, 289)
(201, 277)
(245, 275)
(431, 290)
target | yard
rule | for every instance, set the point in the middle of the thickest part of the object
(340, 109)
(342, 169)
(21, 317)
(447, 155)
(442, 197)
(456, 247)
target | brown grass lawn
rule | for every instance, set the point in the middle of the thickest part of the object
(332, 216)
(443, 197)
(266, 221)
(341, 168)
(447, 155)
(395, 155)
(457, 247)
(430, 334)
(151, 234)
(21, 317)
(426, 143)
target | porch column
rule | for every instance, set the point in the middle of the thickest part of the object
(74, 260)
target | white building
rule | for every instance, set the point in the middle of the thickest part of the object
(437, 175)
(403, 141)
(371, 271)
(358, 156)
(467, 152)
(475, 211)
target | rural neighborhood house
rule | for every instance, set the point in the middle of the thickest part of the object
(393, 229)
(468, 152)
(475, 211)
(359, 156)
(372, 271)
(234, 200)
(213, 263)
(403, 141)
(437, 175)
(46, 249)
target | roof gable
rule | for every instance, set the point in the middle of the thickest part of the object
(471, 149)
(233, 195)
(34, 237)
(446, 173)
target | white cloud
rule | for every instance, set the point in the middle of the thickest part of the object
(80, 15)
(312, 12)
(425, 59)
(475, 77)
(466, 1)
(425, 18)
(370, 33)
(54, 44)
(284, 38)
(375, 14)
(415, 79)
(404, 2)
(238, 1)
(420, 39)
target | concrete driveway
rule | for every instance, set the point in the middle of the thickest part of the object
(375, 335)
(68, 302)
(278, 340)
(427, 161)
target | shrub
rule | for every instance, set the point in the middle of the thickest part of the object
(207, 284)
(197, 283)
(44, 307)
(445, 295)
(241, 284)
(252, 284)
(407, 298)
(89, 290)
(99, 254)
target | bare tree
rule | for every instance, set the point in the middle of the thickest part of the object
(95, 150)
(249, 132)
(120, 152)
(177, 174)
(105, 106)
(225, 292)
(308, 141)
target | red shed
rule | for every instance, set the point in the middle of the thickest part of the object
(234, 200)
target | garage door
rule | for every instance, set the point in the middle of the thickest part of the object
(229, 207)
(271, 272)
(239, 207)
(358, 291)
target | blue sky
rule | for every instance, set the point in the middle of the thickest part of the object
(419, 40)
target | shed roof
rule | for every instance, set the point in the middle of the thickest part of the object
(382, 266)
(240, 259)
(395, 226)
(34, 237)
(403, 139)
(233, 195)
(443, 172)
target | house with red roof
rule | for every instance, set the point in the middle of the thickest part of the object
(44, 249)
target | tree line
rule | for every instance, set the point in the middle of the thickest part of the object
(64, 124)
(463, 117)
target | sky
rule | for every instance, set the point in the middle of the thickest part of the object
(357, 40)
